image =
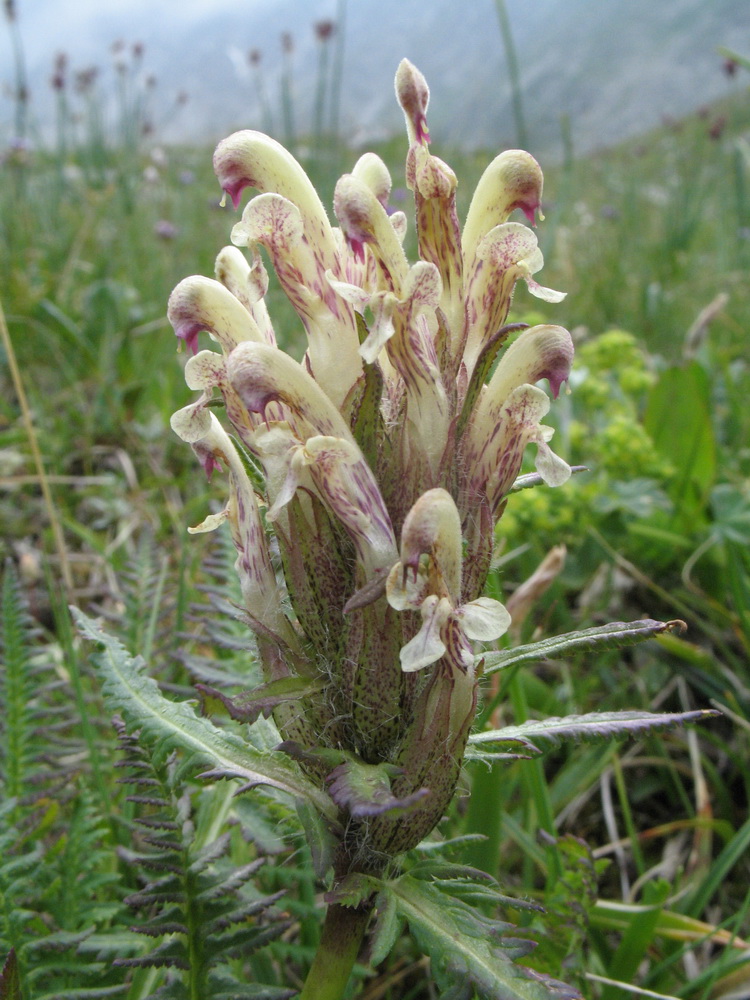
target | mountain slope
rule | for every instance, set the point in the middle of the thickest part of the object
(614, 68)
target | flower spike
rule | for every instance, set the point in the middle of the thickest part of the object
(380, 461)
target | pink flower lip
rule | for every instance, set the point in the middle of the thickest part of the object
(188, 332)
(235, 188)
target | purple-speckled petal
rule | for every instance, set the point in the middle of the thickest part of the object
(513, 180)
(199, 304)
(414, 96)
(347, 485)
(261, 374)
(503, 255)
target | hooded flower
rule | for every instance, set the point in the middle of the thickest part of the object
(428, 578)
(389, 427)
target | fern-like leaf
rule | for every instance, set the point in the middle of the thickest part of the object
(199, 909)
(17, 690)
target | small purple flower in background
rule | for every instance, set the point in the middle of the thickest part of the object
(324, 29)
(59, 77)
(165, 230)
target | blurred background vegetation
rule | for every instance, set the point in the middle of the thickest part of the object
(651, 241)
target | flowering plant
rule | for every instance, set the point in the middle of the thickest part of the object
(364, 486)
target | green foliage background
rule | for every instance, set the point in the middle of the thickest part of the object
(642, 863)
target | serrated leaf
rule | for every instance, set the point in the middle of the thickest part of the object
(467, 947)
(562, 934)
(58, 940)
(428, 846)
(234, 880)
(592, 726)
(259, 826)
(250, 705)
(388, 927)
(245, 940)
(365, 789)
(447, 871)
(353, 890)
(169, 954)
(209, 853)
(166, 725)
(615, 635)
(468, 884)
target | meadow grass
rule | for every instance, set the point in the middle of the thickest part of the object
(651, 241)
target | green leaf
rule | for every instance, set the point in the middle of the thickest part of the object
(365, 789)
(467, 883)
(362, 407)
(10, 978)
(387, 931)
(466, 947)
(612, 636)
(530, 479)
(735, 850)
(731, 509)
(318, 837)
(678, 418)
(354, 890)
(223, 986)
(84, 993)
(250, 705)
(638, 936)
(167, 725)
(568, 901)
(592, 726)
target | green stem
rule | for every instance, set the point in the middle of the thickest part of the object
(337, 71)
(513, 70)
(329, 973)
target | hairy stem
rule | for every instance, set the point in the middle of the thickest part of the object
(343, 931)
